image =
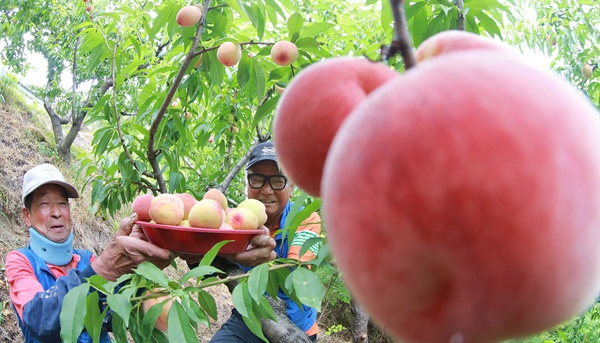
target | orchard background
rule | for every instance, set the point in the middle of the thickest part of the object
(160, 121)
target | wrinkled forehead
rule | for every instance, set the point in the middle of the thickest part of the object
(48, 190)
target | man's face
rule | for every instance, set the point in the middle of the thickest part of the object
(274, 200)
(50, 214)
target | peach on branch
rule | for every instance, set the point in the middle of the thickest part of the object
(188, 202)
(487, 222)
(587, 71)
(206, 213)
(89, 8)
(318, 100)
(217, 195)
(279, 89)
(229, 54)
(188, 16)
(162, 322)
(451, 41)
(284, 53)
(141, 206)
(166, 209)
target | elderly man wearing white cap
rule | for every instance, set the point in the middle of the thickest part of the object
(41, 274)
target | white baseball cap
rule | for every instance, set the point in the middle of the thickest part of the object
(45, 174)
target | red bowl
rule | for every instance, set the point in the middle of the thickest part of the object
(192, 240)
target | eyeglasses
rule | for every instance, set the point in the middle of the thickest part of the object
(257, 181)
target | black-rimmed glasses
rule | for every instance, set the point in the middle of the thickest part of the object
(257, 181)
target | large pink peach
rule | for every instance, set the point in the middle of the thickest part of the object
(188, 202)
(454, 40)
(188, 15)
(206, 213)
(317, 101)
(166, 209)
(461, 200)
(141, 206)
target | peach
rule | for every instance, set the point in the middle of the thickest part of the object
(587, 71)
(486, 222)
(141, 206)
(218, 196)
(188, 202)
(184, 223)
(454, 40)
(257, 207)
(229, 54)
(242, 219)
(162, 322)
(226, 226)
(206, 213)
(284, 53)
(89, 8)
(279, 89)
(188, 16)
(318, 100)
(166, 209)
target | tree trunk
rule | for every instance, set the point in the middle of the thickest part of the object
(360, 323)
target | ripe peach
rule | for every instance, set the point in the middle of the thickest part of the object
(184, 223)
(279, 89)
(166, 209)
(89, 8)
(242, 219)
(257, 207)
(162, 322)
(226, 226)
(188, 202)
(487, 222)
(206, 213)
(587, 71)
(229, 54)
(141, 206)
(454, 40)
(318, 100)
(188, 16)
(284, 53)
(217, 195)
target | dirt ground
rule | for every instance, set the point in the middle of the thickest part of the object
(26, 140)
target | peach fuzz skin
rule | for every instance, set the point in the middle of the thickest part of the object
(486, 224)
(317, 101)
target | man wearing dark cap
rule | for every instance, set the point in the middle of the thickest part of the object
(41, 274)
(266, 183)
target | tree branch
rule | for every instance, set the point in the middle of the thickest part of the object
(461, 22)
(401, 41)
(152, 153)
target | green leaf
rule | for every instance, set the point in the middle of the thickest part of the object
(212, 253)
(253, 323)
(208, 304)
(258, 78)
(72, 314)
(257, 281)
(238, 6)
(153, 273)
(201, 270)
(149, 320)
(241, 299)
(314, 29)
(121, 305)
(264, 309)
(308, 287)
(119, 329)
(180, 328)
(265, 109)
(93, 317)
(295, 24)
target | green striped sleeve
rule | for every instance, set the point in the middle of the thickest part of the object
(302, 236)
